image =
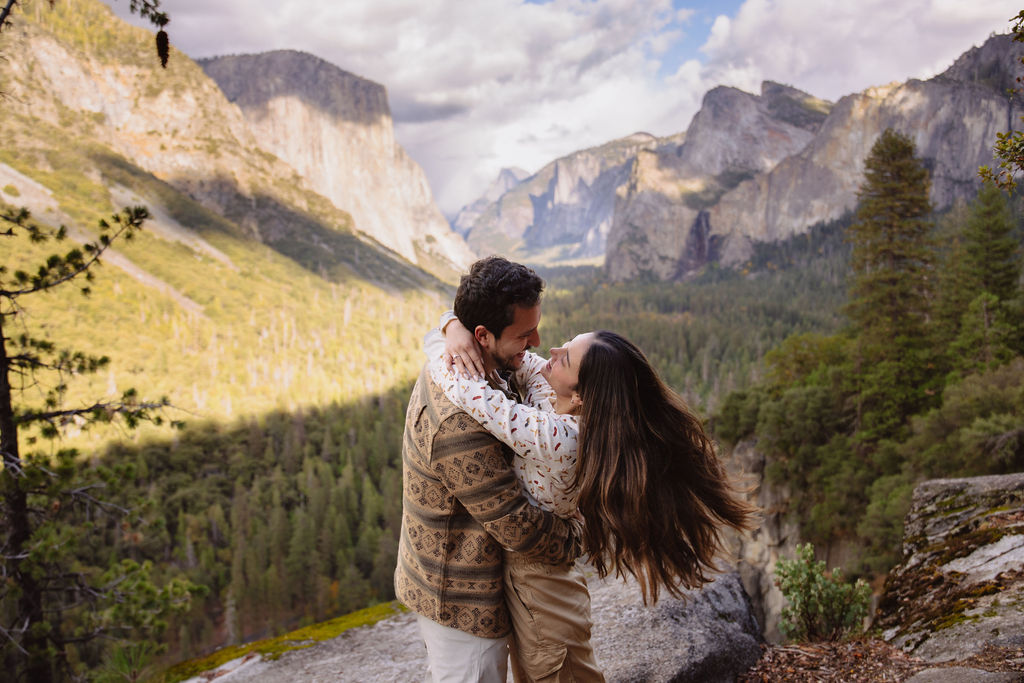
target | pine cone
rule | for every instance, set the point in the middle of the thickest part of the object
(163, 47)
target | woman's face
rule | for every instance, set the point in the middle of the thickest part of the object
(563, 370)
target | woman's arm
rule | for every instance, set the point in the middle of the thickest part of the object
(545, 441)
(532, 385)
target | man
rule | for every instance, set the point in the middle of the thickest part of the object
(462, 505)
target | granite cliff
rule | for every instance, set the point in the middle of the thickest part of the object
(335, 129)
(952, 118)
(507, 179)
(749, 168)
(661, 224)
(123, 122)
(562, 213)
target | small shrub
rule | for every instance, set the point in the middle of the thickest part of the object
(820, 605)
(11, 190)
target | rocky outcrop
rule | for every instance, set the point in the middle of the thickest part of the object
(336, 130)
(564, 212)
(468, 215)
(960, 585)
(661, 226)
(952, 119)
(709, 637)
(757, 552)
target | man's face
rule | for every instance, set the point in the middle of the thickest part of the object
(507, 351)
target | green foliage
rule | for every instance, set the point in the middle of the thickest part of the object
(977, 430)
(1009, 147)
(890, 293)
(986, 337)
(290, 518)
(129, 663)
(272, 648)
(820, 605)
(908, 390)
(705, 336)
(60, 595)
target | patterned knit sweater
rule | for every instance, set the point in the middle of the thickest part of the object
(461, 505)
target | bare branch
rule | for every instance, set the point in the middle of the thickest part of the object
(110, 409)
(6, 12)
(7, 633)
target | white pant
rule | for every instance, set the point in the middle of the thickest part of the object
(458, 657)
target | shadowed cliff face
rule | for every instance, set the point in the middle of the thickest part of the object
(561, 213)
(284, 73)
(335, 129)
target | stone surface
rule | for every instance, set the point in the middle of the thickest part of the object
(710, 638)
(960, 585)
(757, 552)
(961, 674)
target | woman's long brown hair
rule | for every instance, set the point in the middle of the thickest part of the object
(651, 487)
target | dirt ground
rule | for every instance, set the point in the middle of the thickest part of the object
(867, 660)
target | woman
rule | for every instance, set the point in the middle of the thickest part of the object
(604, 432)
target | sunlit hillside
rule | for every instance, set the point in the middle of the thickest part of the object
(272, 302)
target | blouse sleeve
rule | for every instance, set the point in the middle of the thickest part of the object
(535, 389)
(545, 441)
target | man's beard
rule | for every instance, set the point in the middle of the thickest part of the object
(504, 364)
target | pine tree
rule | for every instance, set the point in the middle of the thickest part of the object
(57, 597)
(986, 337)
(991, 261)
(984, 260)
(892, 271)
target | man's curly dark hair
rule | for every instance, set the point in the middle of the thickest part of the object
(489, 293)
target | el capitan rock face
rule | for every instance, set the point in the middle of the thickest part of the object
(336, 130)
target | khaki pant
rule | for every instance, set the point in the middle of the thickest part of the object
(550, 610)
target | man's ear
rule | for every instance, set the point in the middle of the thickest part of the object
(483, 337)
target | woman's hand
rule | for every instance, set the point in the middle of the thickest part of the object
(462, 352)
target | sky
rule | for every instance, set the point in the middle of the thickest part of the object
(479, 85)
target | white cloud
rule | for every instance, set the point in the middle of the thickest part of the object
(832, 48)
(476, 86)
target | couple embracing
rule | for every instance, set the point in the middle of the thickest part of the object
(514, 466)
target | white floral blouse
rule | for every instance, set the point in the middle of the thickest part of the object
(545, 441)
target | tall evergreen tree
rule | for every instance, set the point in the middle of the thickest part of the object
(984, 260)
(890, 292)
(991, 262)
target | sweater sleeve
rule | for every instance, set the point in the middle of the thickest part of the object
(472, 466)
